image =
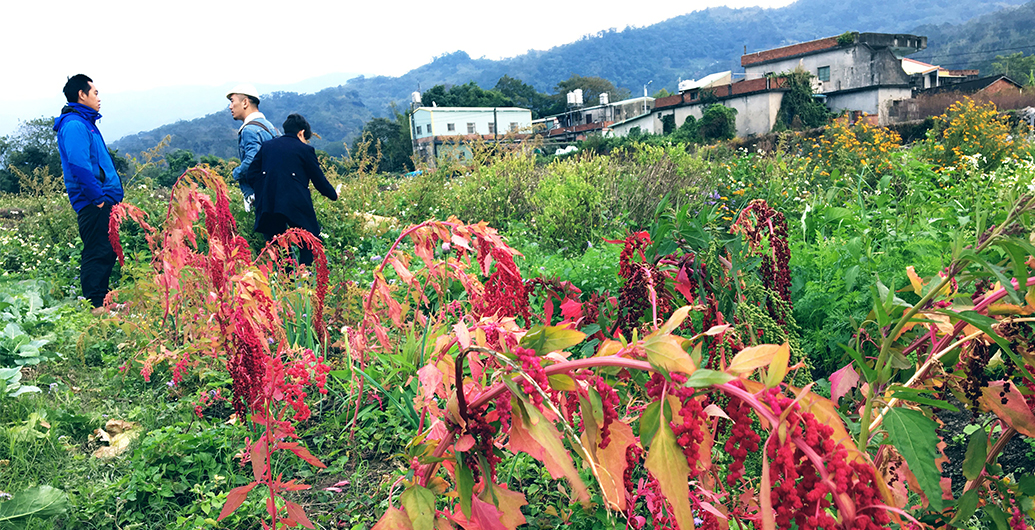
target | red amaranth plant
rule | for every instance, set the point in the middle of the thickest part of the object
(220, 308)
(490, 385)
(764, 226)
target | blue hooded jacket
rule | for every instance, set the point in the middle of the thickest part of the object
(89, 171)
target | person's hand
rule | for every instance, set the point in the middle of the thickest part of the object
(101, 205)
(248, 200)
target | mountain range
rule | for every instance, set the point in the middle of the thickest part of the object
(961, 34)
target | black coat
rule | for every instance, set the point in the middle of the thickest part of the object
(281, 173)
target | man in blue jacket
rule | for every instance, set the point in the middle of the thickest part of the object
(91, 181)
(256, 129)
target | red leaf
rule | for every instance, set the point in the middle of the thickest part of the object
(683, 285)
(259, 453)
(842, 381)
(302, 453)
(535, 435)
(465, 443)
(297, 513)
(486, 515)
(234, 499)
(571, 310)
(1015, 412)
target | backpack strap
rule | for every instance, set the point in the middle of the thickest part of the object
(258, 124)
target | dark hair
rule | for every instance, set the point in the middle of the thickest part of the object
(254, 100)
(295, 123)
(74, 85)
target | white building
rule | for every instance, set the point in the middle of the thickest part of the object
(437, 131)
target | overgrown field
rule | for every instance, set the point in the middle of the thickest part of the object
(835, 333)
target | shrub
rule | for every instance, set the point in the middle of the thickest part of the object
(719, 122)
(967, 129)
(497, 192)
(853, 148)
(568, 200)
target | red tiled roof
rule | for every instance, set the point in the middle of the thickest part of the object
(788, 51)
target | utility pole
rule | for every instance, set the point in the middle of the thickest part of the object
(645, 95)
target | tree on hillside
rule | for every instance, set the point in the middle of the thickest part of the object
(1016, 66)
(33, 145)
(469, 95)
(591, 87)
(525, 96)
(392, 138)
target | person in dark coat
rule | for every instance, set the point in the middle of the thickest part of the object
(281, 172)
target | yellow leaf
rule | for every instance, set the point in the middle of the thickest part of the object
(918, 284)
(674, 321)
(778, 368)
(668, 464)
(666, 352)
(753, 357)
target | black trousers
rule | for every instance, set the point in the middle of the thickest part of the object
(98, 258)
(278, 224)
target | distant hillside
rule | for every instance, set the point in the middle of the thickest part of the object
(336, 114)
(976, 43)
(687, 47)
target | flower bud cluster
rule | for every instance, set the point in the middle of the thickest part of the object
(611, 403)
(530, 363)
(742, 441)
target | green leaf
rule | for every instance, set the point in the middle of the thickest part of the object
(1017, 258)
(977, 451)
(41, 501)
(915, 395)
(668, 464)
(997, 272)
(850, 276)
(649, 421)
(465, 485)
(965, 508)
(913, 434)
(1027, 484)
(562, 382)
(420, 507)
(702, 378)
(869, 374)
(551, 338)
(997, 515)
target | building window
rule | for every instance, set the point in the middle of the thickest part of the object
(492, 128)
(470, 128)
(450, 127)
(419, 131)
(513, 126)
(589, 117)
(823, 73)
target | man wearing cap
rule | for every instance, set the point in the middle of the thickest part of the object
(92, 183)
(244, 106)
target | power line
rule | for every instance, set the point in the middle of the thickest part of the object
(921, 57)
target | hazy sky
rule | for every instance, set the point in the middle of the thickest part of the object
(133, 45)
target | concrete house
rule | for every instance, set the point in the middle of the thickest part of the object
(578, 122)
(447, 131)
(855, 72)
